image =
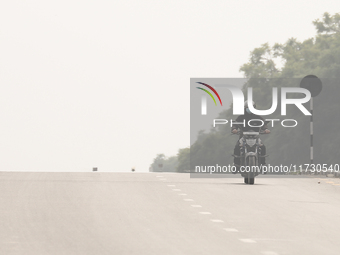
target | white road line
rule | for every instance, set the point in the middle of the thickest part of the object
(247, 240)
(205, 213)
(216, 220)
(171, 185)
(182, 194)
(176, 189)
(231, 229)
(196, 205)
(188, 199)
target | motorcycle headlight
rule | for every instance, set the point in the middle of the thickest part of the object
(251, 142)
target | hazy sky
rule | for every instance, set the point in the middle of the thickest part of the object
(106, 83)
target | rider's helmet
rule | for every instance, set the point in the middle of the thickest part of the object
(246, 106)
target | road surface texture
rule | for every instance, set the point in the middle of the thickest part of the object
(163, 213)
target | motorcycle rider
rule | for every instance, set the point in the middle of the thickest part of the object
(248, 115)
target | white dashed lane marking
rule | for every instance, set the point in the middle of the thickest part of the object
(231, 229)
(244, 240)
(247, 240)
(216, 220)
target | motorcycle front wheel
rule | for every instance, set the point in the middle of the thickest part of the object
(250, 179)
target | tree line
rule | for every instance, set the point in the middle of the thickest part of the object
(281, 65)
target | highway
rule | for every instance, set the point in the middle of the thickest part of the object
(166, 213)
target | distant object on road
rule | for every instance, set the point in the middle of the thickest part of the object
(133, 169)
(95, 169)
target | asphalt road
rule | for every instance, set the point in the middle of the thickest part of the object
(163, 213)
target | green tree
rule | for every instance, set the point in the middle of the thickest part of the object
(164, 164)
(183, 157)
(329, 24)
(319, 56)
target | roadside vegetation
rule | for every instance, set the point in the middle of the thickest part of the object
(319, 56)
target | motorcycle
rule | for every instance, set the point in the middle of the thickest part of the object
(250, 155)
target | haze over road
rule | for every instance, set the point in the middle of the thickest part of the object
(164, 213)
